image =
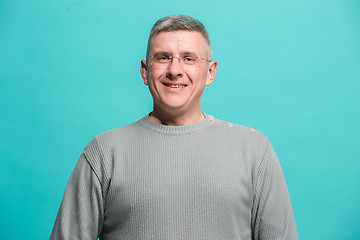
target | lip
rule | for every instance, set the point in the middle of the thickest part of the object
(165, 84)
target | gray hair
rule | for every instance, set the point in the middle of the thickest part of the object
(174, 23)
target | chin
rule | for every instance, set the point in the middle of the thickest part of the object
(173, 107)
(174, 103)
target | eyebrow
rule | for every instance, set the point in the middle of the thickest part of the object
(181, 54)
(162, 53)
(190, 53)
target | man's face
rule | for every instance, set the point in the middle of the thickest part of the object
(177, 86)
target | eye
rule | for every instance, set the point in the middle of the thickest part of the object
(189, 59)
(162, 58)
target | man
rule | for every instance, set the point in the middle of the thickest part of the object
(177, 173)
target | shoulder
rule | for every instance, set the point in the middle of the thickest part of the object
(115, 136)
(102, 147)
(240, 133)
(100, 150)
(250, 144)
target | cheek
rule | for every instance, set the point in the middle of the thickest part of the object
(192, 72)
(155, 75)
(154, 79)
(197, 70)
(197, 75)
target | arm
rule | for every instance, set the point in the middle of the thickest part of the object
(272, 214)
(81, 212)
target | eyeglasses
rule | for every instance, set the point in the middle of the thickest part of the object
(164, 60)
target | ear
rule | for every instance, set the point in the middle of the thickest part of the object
(143, 71)
(212, 73)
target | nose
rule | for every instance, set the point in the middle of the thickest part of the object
(174, 69)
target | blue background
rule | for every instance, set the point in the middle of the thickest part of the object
(69, 70)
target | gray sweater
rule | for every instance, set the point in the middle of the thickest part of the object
(205, 181)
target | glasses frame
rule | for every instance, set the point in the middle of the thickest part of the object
(181, 59)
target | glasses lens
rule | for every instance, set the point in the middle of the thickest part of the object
(163, 60)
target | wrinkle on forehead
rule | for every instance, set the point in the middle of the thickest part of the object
(180, 42)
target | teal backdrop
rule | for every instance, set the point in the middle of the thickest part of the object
(69, 70)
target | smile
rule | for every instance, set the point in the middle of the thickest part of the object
(174, 85)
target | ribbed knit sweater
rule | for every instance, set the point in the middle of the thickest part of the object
(205, 181)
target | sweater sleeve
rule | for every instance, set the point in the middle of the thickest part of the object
(272, 214)
(81, 211)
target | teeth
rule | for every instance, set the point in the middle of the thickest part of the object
(176, 86)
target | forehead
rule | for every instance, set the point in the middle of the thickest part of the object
(179, 42)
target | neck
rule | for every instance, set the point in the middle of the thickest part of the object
(175, 118)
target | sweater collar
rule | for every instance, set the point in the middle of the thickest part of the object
(177, 130)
